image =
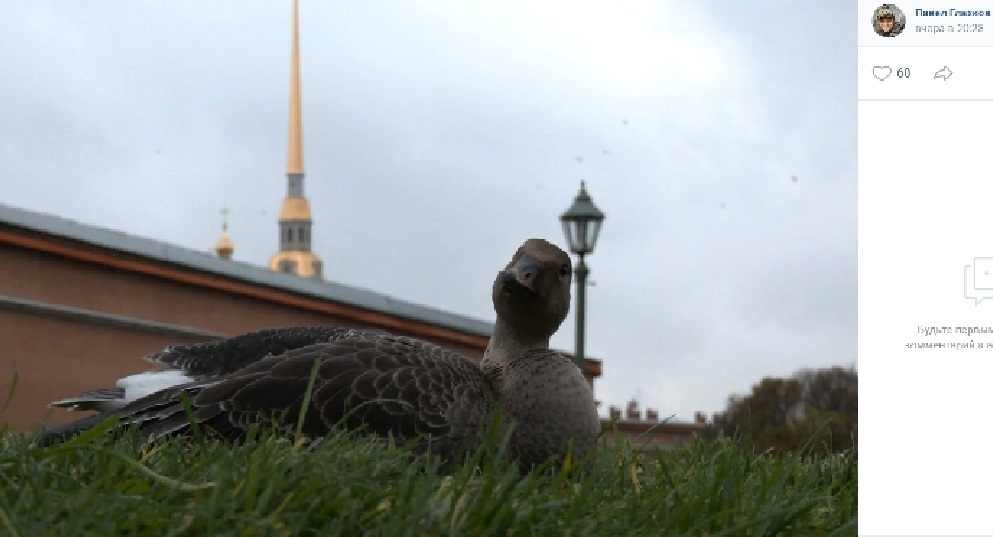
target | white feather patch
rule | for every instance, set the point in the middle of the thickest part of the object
(142, 384)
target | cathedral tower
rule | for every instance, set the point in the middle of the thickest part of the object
(294, 255)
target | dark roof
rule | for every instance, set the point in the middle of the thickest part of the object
(177, 255)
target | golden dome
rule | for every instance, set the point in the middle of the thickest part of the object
(224, 247)
(304, 264)
(295, 209)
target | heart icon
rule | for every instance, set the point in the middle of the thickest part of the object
(881, 72)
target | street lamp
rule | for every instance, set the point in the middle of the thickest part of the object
(581, 224)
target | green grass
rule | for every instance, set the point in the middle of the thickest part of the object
(347, 485)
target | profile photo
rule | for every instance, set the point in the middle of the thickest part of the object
(888, 20)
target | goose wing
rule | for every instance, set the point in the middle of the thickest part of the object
(386, 385)
(228, 355)
(180, 364)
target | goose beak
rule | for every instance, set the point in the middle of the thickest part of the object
(520, 278)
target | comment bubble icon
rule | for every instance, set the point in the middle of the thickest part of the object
(979, 279)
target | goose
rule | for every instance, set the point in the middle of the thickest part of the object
(370, 380)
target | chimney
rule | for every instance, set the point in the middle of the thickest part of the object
(700, 418)
(615, 412)
(633, 413)
(651, 414)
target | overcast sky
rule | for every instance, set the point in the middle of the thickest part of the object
(440, 135)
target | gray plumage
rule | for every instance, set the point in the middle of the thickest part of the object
(99, 400)
(389, 385)
(203, 361)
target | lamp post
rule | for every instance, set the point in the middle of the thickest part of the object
(581, 224)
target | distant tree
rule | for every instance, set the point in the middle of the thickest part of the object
(815, 409)
(830, 411)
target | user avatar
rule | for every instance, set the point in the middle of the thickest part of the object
(888, 20)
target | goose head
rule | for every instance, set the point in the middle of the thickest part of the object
(532, 294)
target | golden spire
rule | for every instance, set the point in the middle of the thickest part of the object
(295, 165)
(295, 224)
(224, 246)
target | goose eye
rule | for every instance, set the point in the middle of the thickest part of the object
(564, 270)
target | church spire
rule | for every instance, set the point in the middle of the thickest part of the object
(295, 165)
(294, 255)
